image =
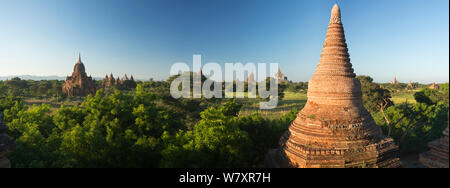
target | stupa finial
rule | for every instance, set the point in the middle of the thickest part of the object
(335, 15)
(79, 57)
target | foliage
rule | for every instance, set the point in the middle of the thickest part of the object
(430, 96)
(31, 88)
(374, 97)
(417, 124)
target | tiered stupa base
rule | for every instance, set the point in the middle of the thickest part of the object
(437, 157)
(311, 143)
(384, 157)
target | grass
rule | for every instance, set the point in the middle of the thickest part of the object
(403, 96)
(291, 100)
(54, 105)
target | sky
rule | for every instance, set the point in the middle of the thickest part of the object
(408, 39)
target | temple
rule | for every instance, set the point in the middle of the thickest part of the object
(434, 86)
(334, 130)
(79, 84)
(437, 157)
(6, 144)
(279, 76)
(394, 81)
(124, 83)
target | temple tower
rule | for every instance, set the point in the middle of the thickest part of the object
(334, 130)
(79, 84)
(279, 76)
(394, 81)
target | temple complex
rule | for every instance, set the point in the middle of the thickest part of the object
(6, 144)
(79, 84)
(394, 81)
(437, 157)
(124, 83)
(434, 86)
(279, 76)
(334, 130)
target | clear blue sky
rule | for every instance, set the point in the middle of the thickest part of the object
(404, 38)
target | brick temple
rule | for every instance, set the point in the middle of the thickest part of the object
(334, 130)
(437, 157)
(79, 84)
(124, 83)
(280, 77)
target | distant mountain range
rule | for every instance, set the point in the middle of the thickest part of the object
(32, 77)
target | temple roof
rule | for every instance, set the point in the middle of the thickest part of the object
(79, 66)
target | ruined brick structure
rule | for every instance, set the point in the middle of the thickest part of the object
(79, 84)
(434, 86)
(7, 144)
(334, 130)
(124, 83)
(437, 157)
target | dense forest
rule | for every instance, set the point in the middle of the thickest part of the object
(146, 127)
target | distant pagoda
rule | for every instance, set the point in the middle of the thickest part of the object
(434, 86)
(79, 84)
(334, 130)
(410, 85)
(279, 76)
(394, 81)
(437, 157)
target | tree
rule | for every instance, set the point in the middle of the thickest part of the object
(215, 141)
(415, 124)
(431, 96)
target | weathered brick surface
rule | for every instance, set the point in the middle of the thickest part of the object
(437, 157)
(334, 130)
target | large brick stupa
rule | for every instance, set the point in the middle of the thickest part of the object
(334, 130)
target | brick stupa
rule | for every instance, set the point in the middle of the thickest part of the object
(437, 157)
(334, 130)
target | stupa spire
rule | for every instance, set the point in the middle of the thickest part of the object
(79, 58)
(335, 14)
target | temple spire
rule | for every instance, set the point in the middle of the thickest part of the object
(335, 15)
(79, 57)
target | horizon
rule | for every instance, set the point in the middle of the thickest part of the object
(145, 38)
